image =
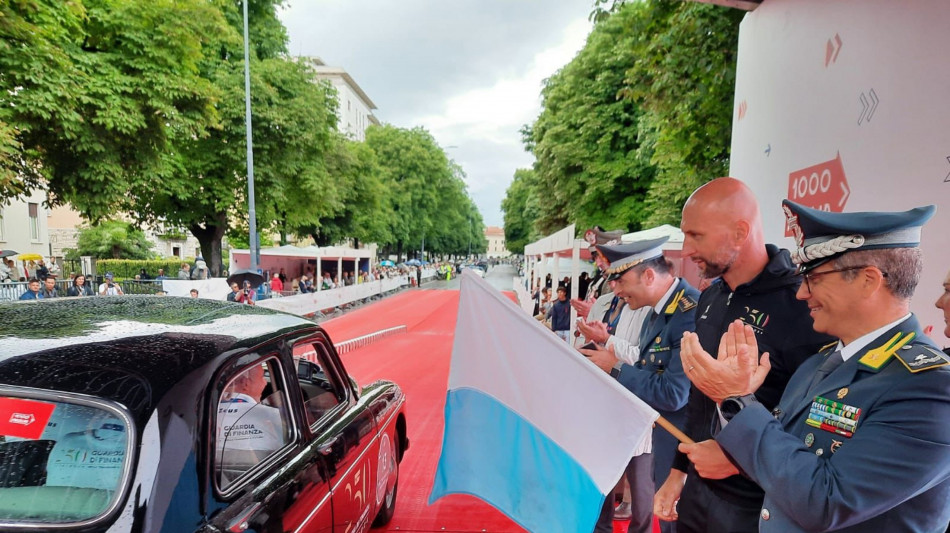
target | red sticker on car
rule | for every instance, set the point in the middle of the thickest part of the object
(25, 419)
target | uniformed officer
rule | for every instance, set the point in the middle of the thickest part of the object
(597, 291)
(859, 441)
(650, 366)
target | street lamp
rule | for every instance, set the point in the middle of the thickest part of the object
(252, 214)
(469, 237)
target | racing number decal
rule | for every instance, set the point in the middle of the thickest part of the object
(384, 467)
(358, 493)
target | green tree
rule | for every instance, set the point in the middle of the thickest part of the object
(92, 91)
(112, 239)
(585, 139)
(361, 211)
(685, 82)
(521, 209)
(412, 166)
(292, 123)
(637, 120)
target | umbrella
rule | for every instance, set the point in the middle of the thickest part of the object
(413, 262)
(29, 257)
(7, 253)
(240, 276)
(384, 262)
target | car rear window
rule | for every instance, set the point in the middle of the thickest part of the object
(62, 460)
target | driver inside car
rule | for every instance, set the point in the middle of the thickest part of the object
(245, 424)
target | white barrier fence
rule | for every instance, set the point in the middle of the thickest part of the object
(359, 342)
(310, 303)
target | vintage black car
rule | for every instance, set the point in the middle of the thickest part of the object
(161, 414)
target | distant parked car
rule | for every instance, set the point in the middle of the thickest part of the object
(161, 414)
(474, 268)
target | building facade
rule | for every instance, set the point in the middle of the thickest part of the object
(24, 225)
(355, 110)
(496, 242)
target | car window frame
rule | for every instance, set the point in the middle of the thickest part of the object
(111, 406)
(224, 377)
(321, 345)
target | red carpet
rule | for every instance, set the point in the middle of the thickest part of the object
(419, 362)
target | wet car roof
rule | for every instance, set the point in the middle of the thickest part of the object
(131, 349)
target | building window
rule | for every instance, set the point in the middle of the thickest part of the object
(34, 222)
(176, 251)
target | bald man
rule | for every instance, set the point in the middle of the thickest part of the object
(756, 283)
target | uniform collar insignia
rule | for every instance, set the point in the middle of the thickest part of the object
(671, 308)
(875, 358)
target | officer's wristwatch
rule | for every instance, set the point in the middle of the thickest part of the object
(731, 406)
(615, 371)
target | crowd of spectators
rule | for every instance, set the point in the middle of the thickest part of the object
(49, 285)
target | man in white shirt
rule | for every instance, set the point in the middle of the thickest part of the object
(644, 280)
(110, 287)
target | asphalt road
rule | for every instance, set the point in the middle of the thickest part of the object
(499, 277)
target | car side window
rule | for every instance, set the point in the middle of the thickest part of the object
(320, 391)
(253, 420)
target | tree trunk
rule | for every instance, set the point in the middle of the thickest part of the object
(398, 251)
(209, 238)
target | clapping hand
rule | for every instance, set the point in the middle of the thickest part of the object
(582, 307)
(593, 331)
(736, 372)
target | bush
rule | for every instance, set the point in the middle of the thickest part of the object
(128, 268)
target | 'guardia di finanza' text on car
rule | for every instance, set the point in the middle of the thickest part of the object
(160, 414)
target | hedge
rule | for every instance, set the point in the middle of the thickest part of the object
(128, 268)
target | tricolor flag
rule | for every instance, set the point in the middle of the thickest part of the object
(531, 427)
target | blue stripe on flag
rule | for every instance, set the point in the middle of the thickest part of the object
(491, 452)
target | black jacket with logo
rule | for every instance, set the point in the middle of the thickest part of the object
(783, 328)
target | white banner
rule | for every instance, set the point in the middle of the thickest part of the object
(215, 288)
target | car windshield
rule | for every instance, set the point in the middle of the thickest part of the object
(61, 461)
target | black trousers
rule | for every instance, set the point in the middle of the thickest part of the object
(703, 511)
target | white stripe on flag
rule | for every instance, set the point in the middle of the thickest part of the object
(510, 361)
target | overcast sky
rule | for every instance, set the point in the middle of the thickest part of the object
(469, 71)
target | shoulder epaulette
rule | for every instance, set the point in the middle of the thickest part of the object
(920, 357)
(686, 303)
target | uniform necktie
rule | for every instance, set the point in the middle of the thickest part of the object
(831, 363)
(647, 327)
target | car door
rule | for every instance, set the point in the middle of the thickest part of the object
(267, 472)
(345, 433)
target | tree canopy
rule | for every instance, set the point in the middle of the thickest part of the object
(426, 194)
(93, 91)
(111, 239)
(136, 109)
(633, 124)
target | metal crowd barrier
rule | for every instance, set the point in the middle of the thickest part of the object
(359, 342)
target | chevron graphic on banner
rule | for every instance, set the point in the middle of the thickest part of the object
(832, 49)
(869, 103)
(947, 179)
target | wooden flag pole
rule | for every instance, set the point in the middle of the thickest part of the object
(675, 431)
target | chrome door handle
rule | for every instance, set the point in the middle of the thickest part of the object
(240, 524)
(327, 447)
